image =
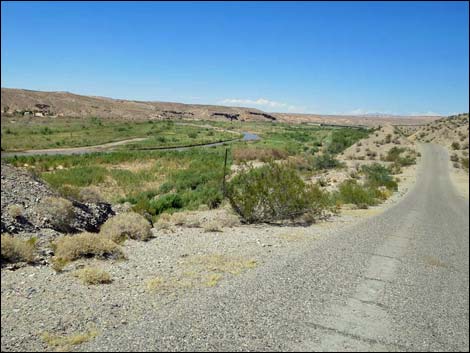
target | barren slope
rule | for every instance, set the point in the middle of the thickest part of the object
(16, 102)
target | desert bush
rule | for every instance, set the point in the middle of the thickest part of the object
(17, 250)
(455, 145)
(378, 175)
(350, 192)
(454, 157)
(344, 138)
(59, 212)
(395, 155)
(124, 226)
(261, 154)
(464, 163)
(93, 275)
(325, 161)
(15, 211)
(85, 245)
(395, 168)
(273, 192)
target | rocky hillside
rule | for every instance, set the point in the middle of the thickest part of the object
(19, 102)
(30, 206)
(355, 120)
(451, 132)
(378, 145)
(445, 131)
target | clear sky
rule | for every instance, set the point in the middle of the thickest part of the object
(396, 58)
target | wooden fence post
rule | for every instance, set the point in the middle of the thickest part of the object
(224, 191)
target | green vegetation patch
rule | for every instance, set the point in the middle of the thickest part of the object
(47, 133)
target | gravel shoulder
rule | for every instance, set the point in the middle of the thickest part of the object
(460, 179)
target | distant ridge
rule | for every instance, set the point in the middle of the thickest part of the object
(19, 102)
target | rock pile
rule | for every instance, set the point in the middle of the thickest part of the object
(23, 195)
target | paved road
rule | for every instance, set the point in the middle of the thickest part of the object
(398, 281)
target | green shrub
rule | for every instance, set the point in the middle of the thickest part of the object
(350, 192)
(395, 155)
(378, 175)
(344, 138)
(166, 202)
(325, 161)
(274, 192)
(455, 145)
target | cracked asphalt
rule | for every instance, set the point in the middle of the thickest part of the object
(398, 281)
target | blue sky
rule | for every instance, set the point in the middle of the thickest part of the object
(336, 58)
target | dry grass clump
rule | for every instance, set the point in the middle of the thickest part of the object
(187, 280)
(64, 342)
(261, 154)
(213, 226)
(85, 245)
(164, 222)
(90, 194)
(188, 219)
(222, 264)
(15, 211)
(17, 250)
(201, 271)
(124, 226)
(93, 275)
(170, 284)
(59, 212)
(157, 284)
(213, 280)
(58, 263)
(224, 219)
